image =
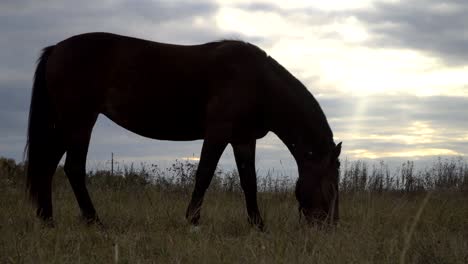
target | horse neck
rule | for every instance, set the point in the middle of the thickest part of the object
(300, 134)
(296, 117)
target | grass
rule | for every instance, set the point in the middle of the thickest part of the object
(145, 224)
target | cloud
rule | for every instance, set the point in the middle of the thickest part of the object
(28, 26)
(339, 51)
(14, 99)
(390, 75)
(388, 126)
(436, 27)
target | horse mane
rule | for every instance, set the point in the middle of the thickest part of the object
(307, 101)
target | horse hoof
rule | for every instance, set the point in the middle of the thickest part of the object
(193, 219)
(260, 227)
(195, 229)
(48, 223)
(92, 221)
(257, 224)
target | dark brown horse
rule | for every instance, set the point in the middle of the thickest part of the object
(225, 92)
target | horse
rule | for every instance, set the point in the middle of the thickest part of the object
(224, 92)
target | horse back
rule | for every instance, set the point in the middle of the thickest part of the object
(144, 85)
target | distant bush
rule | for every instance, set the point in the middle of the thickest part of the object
(11, 173)
(445, 174)
(128, 177)
(356, 176)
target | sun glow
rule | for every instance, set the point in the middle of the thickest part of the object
(336, 55)
(416, 133)
(248, 22)
(192, 158)
(426, 152)
(419, 135)
(330, 5)
(364, 71)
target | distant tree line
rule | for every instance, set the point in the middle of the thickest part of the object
(355, 176)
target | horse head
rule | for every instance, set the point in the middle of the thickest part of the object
(317, 186)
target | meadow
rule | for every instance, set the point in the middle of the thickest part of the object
(403, 216)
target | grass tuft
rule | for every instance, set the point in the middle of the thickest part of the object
(145, 222)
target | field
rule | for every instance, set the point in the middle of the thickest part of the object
(412, 217)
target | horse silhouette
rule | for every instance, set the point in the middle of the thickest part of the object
(224, 92)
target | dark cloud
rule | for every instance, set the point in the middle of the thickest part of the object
(28, 26)
(14, 100)
(436, 27)
(163, 12)
(14, 95)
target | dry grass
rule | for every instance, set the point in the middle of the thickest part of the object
(145, 224)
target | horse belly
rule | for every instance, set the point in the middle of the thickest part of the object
(162, 118)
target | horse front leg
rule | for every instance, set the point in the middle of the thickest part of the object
(245, 159)
(211, 152)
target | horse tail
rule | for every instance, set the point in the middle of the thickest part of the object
(40, 128)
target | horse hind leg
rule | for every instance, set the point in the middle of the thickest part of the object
(48, 164)
(75, 167)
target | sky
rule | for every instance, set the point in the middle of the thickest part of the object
(391, 76)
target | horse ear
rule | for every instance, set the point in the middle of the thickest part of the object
(337, 151)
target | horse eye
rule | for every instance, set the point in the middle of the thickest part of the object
(309, 154)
